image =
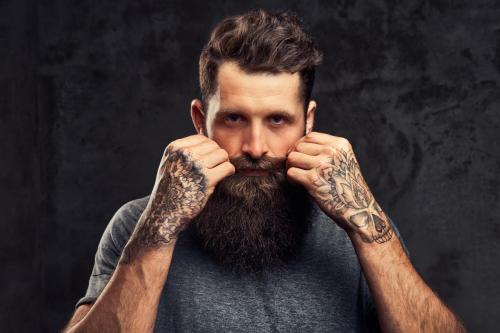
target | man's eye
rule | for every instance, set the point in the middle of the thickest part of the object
(232, 118)
(277, 120)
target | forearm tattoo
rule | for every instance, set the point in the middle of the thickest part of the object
(179, 196)
(344, 192)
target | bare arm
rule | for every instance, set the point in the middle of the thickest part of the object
(78, 315)
(130, 300)
(188, 173)
(403, 300)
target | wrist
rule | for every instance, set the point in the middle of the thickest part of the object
(141, 246)
(366, 225)
(390, 252)
(146, 267)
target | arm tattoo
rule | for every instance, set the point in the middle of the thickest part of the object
(179, 196)
(344, 192)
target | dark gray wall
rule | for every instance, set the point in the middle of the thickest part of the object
(92, 91)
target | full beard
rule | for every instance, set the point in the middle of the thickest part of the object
(251, 223)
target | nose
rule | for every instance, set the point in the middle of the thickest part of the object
(254, 142)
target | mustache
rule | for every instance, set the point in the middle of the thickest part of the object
(249, 188)
(252, 223)
(270, 164)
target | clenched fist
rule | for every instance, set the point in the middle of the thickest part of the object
(190, 169)
(326, 166)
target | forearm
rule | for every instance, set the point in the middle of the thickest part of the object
(327, 167)
(188, 173)
(130, 300)
(403, 300)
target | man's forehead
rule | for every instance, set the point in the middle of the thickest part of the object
(236, 84)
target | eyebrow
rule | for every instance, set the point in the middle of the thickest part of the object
(229, 111)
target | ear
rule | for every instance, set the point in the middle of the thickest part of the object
(198, 116)
(311, 110)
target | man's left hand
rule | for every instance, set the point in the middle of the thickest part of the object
(327, 167)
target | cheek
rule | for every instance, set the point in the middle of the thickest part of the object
(230, 141)
(281, 141)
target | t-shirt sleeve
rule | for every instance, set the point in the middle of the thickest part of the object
(108, 252)
(371, 317)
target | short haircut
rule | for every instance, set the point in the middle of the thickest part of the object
(259, 41)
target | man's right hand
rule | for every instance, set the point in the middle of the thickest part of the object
(190, 169)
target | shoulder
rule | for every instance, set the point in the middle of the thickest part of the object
(132, 209)
(123, 222)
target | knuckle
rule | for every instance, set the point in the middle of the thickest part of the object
(198, 137)
(208, 140)
(224, 153)
(166, 150)
(312, 177)
(171, 147)
(328, 151)
(344, 142)
(201, 147)
(325, 160)
(186, 154)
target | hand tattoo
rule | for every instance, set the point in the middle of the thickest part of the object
(344, 193)
(180, 195)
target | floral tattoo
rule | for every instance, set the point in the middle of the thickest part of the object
(343, 191)
(179, 197)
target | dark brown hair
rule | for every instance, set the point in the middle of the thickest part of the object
(259, 41)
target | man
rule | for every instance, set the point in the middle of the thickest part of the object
(273, 225)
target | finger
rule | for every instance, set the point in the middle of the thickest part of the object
(293, 147)
(324, 139)
(201, 148)
(187, 141)
(297, 175)
(301, 160)
(221, 171)
(311, 148)
(214, 158)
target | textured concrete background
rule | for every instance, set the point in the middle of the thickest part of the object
(92, 91)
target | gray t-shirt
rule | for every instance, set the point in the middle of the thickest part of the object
(322, 290)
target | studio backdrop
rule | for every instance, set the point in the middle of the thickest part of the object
(91, 92)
